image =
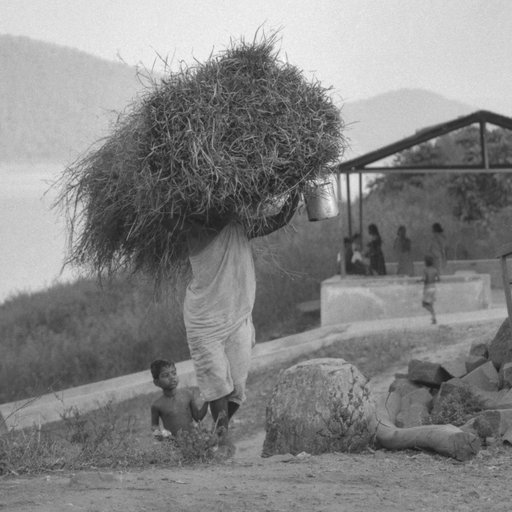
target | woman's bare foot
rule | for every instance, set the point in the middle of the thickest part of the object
(225, 449)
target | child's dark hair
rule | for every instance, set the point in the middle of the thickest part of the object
(437, 228)
(157, 365)
(429, 261)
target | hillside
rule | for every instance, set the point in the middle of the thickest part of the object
(389, 117)
(55, 101)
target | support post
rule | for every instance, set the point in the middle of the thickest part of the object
(483, 147)
(361, 204)
(505, 251)
(349, 205)
(343, 270)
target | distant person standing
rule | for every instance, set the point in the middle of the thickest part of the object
(374, 251)
(438, 247)
(402, 249)
(430, 278)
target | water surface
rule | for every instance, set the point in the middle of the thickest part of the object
(32, 233)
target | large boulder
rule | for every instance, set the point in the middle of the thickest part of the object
(319, 406)
(500, 348)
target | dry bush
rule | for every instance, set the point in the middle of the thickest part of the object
(30, 451)
(110, 437)
(456, 408)
(197, 445)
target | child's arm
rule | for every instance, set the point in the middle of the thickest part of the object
(155, 421)
(198, 406)
(158, 433)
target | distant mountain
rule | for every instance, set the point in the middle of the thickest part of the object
(391, 116)
(55, 101)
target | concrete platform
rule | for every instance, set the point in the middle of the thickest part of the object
(49, 408)
(490, 266)
(356, 298)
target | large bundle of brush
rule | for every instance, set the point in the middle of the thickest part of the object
(209, 142)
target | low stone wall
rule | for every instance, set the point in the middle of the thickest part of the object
(489, 266)
(356, 298)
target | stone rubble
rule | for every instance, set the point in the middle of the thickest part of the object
(484, 374)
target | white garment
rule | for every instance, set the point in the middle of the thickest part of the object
(357, 256)
(217, 313)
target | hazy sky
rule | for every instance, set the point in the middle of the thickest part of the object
(461, 49)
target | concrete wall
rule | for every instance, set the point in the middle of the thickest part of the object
(357, 298)
(490, 266)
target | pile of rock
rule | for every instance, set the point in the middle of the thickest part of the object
(451, 408)
(325, 405)
(475, 391)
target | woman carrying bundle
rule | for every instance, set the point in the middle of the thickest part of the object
(176, 181)
(218, 310)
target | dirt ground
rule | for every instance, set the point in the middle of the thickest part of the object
(375, 481)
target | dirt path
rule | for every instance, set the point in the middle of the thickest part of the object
(381, 481)
(377, 481)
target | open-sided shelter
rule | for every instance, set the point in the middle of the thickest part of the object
(369, 162)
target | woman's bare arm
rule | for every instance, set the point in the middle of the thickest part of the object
(266, 225)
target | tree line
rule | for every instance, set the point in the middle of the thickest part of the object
(474, 196)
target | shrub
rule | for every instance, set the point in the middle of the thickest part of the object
(78, 333)
(456, 408)
(197, 445)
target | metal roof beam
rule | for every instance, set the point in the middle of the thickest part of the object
(428, 170)
(481, 117)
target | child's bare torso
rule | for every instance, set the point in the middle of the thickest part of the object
(175, 412)
(430, 276)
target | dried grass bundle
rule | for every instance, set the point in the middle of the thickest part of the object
(209, 142)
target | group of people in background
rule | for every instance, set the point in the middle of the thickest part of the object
(369, 261)
(365, 262)
(436, 250)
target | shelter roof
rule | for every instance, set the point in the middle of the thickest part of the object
(362, 163)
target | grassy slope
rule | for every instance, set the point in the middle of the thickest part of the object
(79, 333)
(119, 435)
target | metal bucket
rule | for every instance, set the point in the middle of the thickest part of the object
(321, 202)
